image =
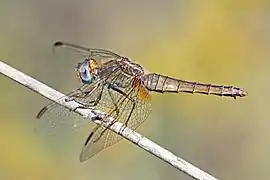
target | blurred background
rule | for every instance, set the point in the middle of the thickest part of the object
(221, 42)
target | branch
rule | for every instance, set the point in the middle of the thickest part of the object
(92, 115)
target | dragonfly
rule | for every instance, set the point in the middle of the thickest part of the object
(118, 86)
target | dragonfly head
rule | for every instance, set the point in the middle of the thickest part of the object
(87, 71)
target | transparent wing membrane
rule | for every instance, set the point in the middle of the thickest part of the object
(55, 118)
(65, 51)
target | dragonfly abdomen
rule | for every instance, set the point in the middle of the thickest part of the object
(160, 83)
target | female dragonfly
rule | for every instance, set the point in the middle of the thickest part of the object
(120, 87)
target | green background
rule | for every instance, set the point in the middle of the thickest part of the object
(221, 42)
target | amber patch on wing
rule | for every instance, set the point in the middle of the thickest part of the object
(142, 91)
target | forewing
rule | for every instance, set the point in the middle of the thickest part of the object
(75, 52)
(55, 118)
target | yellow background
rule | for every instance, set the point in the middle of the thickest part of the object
(221, 42)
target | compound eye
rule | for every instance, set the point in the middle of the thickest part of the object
(84, 72)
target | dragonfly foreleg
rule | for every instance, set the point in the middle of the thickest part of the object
(81, 96)
(78, 94)
(97, 100)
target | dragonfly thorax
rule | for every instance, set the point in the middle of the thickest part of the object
(131, 68)
(87, 71)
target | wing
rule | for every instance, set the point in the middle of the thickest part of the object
(76, 52)
(54, 118)
(131, 109)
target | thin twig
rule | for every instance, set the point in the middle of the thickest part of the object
(91, 114)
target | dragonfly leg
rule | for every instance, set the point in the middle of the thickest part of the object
(126, 96)
(131, 111)
(81, 94)
(78, 94)
(113, 101)
(97, 100)
(80, 107)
